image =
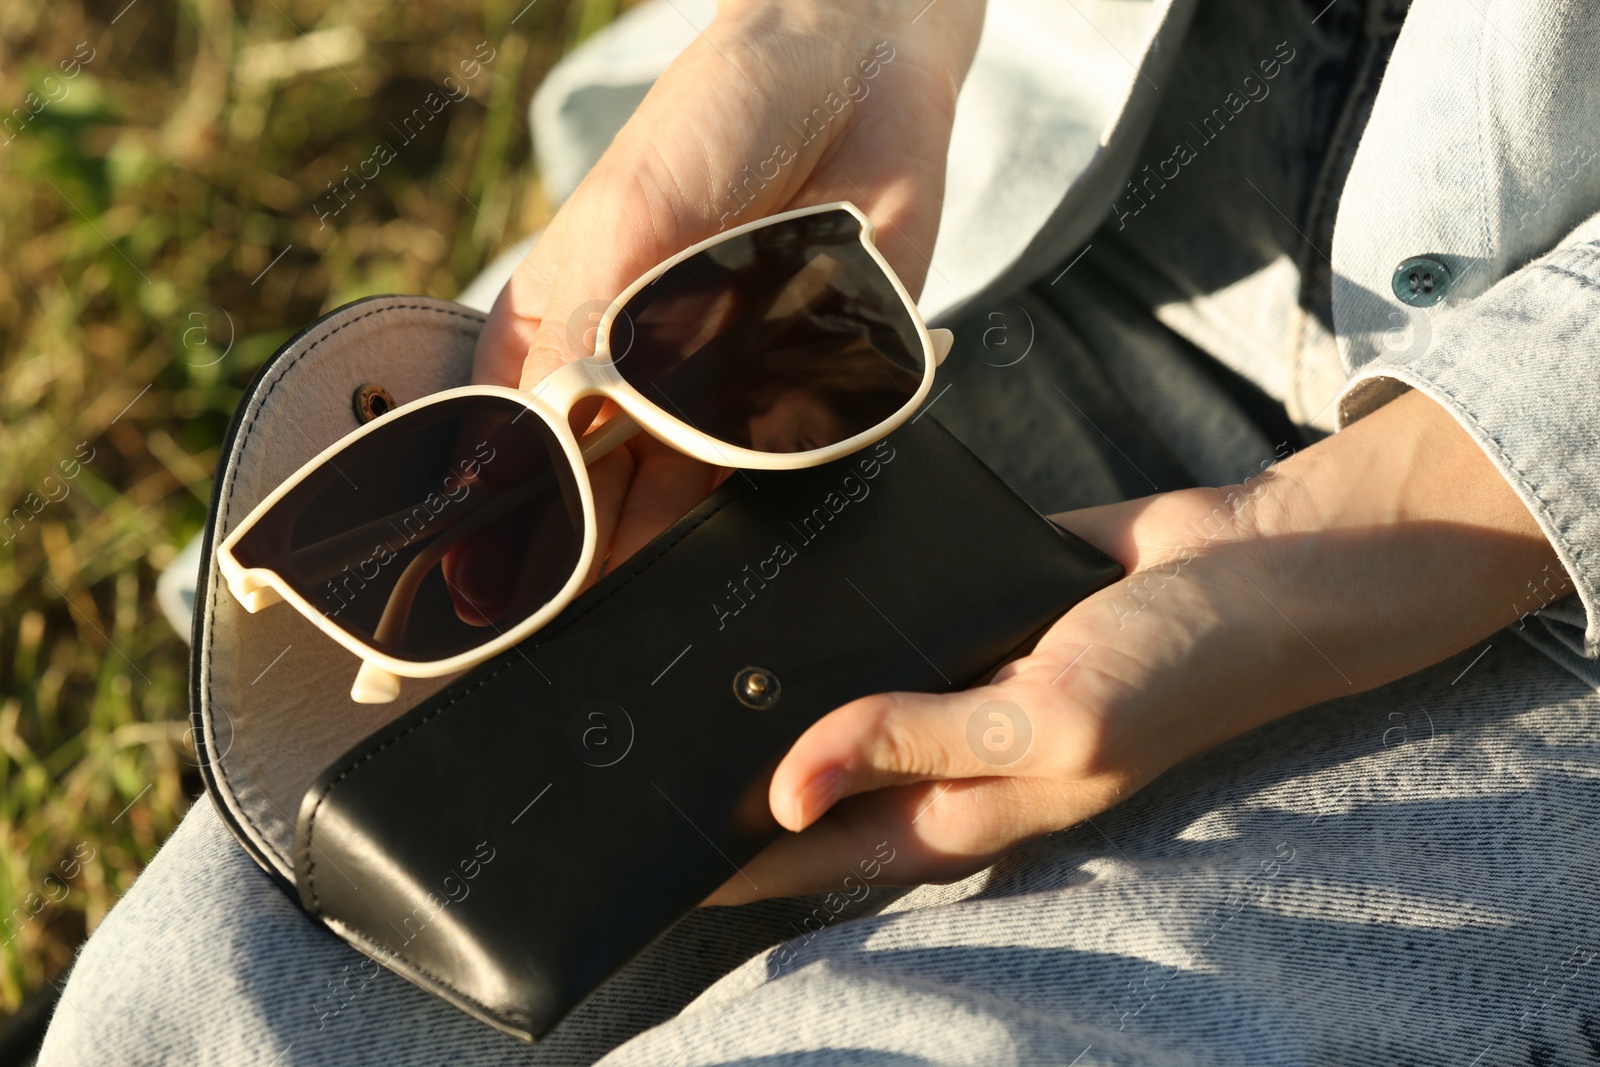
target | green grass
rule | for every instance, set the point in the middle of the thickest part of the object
(142, 204)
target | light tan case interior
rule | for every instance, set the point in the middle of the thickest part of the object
(273, 692)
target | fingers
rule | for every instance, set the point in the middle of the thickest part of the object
(716, 143)
(613, 229)
(666, 182)
(512, 325)
(907, 835)
(1151, 530)
(898, 738)
(666, 485)
(609, 479)
(1108, 528)
(637, 234)
(651, 195)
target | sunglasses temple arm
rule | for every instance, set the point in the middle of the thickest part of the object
(397, 611)
(325, 557)
(607, 436)
(392, 624)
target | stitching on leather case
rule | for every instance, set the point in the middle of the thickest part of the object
(508, 659)
(227, 507)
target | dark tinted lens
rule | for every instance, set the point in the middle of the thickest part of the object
(784, 339)
(431, 535)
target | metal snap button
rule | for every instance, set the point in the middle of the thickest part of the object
(371, 402)
(755, 687)
(1421, 281)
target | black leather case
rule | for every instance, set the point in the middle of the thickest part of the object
(514, 840)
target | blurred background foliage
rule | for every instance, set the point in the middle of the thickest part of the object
(160, 238)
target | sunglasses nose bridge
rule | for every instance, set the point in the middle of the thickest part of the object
(554, 396)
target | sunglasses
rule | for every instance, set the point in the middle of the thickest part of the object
(450, 528)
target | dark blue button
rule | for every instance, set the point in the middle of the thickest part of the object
(1421, 281)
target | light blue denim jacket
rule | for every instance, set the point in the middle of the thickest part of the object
(1481, 151)
(1484, 149)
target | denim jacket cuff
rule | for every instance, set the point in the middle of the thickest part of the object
(1518, 368)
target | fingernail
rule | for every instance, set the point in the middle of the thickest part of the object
(819, 795)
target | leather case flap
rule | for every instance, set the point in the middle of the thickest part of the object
(269, 693)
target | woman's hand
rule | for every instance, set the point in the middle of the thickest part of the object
(1368, 556)
(776, 105)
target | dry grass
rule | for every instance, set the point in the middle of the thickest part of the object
(145, 198)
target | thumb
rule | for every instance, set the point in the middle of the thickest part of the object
(638, 233)
(896, 739)
(512, 325)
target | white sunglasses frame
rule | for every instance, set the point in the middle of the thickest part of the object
(378, 680)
